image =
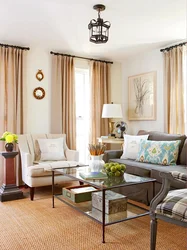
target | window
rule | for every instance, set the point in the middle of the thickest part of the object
(82, 90)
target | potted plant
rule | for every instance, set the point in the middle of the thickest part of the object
(9, 138)
(96, 153)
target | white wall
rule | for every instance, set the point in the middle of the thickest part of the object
(38, 111)
(142, 63)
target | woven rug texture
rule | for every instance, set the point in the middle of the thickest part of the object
(27, 225)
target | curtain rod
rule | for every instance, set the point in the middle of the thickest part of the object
(54, 53)
(174, 46)
(13, 46)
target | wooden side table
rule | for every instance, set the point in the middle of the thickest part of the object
(9, 190)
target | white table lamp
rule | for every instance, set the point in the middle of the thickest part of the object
(112, 111)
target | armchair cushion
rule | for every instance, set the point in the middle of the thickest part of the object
(52, 149)
(179, 176)
(44, 168)
(174, 205)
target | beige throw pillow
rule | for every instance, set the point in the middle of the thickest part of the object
(131, 146)
(52, 149)
(37, 151)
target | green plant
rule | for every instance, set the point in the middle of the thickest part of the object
(9, 137)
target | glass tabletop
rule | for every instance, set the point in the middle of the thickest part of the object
(104, 182)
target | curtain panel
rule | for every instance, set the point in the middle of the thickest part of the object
(63, 116)
(100, 94)
(174, 79)
(12, 88)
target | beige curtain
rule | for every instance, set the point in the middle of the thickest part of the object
(63, 98)
(174, 79)
(100, 94)
(12, 62)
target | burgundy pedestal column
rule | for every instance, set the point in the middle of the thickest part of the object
(9, 190)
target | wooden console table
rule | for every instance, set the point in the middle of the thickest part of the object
(110, 140)
(9, 190)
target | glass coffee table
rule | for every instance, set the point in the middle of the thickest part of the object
(133, 211)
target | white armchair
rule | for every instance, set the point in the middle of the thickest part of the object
(37, 172)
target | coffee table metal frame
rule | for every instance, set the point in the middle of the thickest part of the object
(103, 189)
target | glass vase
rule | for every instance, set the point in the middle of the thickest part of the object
(96, 163)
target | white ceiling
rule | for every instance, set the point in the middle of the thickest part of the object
(62, 25)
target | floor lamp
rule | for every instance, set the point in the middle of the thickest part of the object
(111, 111)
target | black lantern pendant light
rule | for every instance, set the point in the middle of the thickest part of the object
(99, 30)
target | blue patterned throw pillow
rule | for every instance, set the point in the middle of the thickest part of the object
(158, 152)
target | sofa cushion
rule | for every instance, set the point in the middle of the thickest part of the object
(152, 170)
(160, 136)
(52, 149)
(131, 146)
(174, 205)
(158, 152)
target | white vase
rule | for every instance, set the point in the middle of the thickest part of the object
(96, 163)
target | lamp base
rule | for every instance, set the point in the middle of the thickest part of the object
(111, 128)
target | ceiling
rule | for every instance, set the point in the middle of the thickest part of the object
(62, 25)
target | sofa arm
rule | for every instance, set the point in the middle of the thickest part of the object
(112, 154)
(72, 155)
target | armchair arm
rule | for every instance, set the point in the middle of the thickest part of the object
(26, 159)
(72, 155)
(112, 154)
(166, 180)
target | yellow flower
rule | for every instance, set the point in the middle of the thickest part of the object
(5, 134)
(15, 137)
(9, 138)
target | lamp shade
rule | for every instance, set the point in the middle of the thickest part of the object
(112, 111)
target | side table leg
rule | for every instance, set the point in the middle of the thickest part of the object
(103, 215)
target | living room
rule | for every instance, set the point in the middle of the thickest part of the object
(139, 30)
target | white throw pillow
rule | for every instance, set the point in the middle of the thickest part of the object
(52, 149)
(131, 146)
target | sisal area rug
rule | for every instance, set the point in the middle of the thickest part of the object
(27, 225)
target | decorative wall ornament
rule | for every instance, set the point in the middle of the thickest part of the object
(39, 75)
(39, 93)
(142, 96)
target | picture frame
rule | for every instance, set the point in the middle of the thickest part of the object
(142, 97)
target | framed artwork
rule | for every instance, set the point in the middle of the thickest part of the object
(142, 97)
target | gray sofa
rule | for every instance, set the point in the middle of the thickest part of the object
(144, 192)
